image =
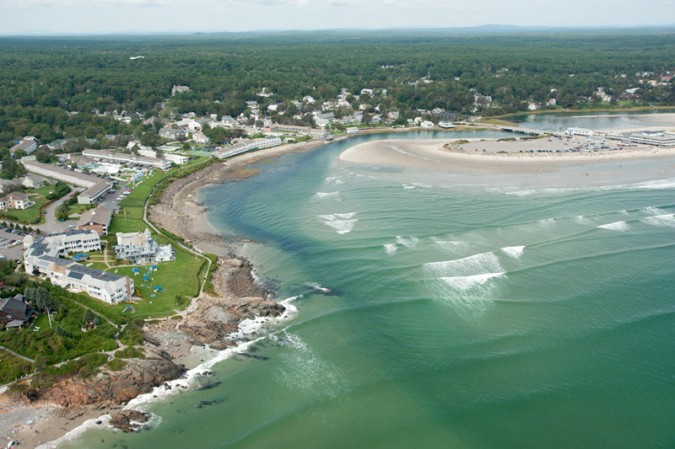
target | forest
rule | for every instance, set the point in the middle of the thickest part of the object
(67, 87)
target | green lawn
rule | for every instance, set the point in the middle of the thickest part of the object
(65, 340)
(79, 209)
(33, 214)
(177, 278)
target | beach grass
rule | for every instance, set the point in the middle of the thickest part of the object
(12, 367)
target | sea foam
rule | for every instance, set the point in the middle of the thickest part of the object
(618, 226)
(408, 242)
(334, 180)
(580, 219)
(451, 245)
(514, 251)
(328, 195)
(247, 329)
(304, 369)
(469, 282)
(654, 211)
(467, 266)
(667, 220)
(390, 248)
(342, 223)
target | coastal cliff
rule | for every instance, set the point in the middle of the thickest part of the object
(208, 323)
(108, 388)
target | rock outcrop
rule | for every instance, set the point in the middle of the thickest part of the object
(111, 388)
(129, 420)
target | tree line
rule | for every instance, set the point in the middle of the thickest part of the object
(55, 88)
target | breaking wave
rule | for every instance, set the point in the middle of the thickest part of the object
(342, 223)
(667, 220)
(328, 195)
(469, 282)
(482, 263)
(618, 226)
(514, 251)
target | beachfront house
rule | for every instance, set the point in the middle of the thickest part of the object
(140, 248)
(43, 256)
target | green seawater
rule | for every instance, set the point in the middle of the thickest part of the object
(460, 314)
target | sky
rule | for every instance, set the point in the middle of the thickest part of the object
(48, 17)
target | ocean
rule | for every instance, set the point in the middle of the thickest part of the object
(439, 315)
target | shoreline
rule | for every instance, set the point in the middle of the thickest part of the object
(180, 212)
(240, 308)
(549, 161)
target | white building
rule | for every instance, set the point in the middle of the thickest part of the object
(147, 152)
(579, 132)
(665, 139)
(42, 256)
(177, 158)
(247, 145)
(33, 182)
(316, 133)
(95, 187)
(127, 159)
(140, 248)
(179, 90)
(16, 200)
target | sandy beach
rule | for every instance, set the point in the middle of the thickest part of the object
(180, 212)
(543, 161)
(237, 299)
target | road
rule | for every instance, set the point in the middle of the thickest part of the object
(51, 224)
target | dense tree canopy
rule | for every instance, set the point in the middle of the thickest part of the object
(62, 87)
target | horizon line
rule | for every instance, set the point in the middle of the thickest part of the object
(486, 28)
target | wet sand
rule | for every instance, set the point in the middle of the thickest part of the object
(542, 161)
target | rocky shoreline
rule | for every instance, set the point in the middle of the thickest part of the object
(40, 417)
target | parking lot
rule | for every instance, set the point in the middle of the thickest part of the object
(11, 243)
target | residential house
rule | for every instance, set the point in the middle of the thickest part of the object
(14, 312)
(28, 145)
(15, 200)
(173, 134)
(200, 137)
(177, 89)
(97, 220)
(33, 182)
(324, 119)
(265, 93)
